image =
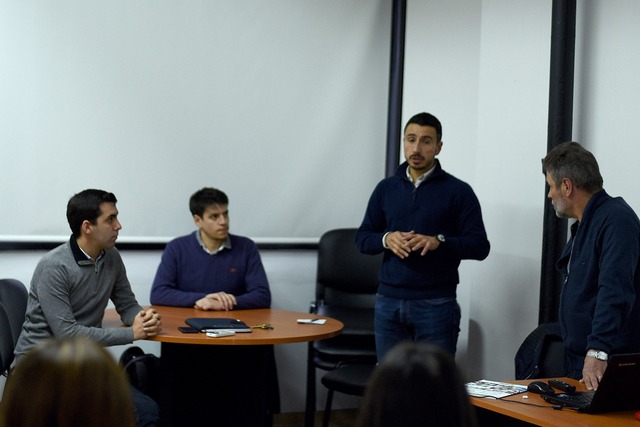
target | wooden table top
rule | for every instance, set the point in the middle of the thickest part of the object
(285, 330)
(545, 415)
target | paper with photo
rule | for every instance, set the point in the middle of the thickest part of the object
(494, 389)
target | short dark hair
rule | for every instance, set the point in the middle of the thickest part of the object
(571, 160)
(426, 119)
(85, 206)
(205, 197)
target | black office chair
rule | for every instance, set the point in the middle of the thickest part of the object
(6, 342)
(541, 354)
(346, 283)
(347, 379)
(143, 370)
(13, 297)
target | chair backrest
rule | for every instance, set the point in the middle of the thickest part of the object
(143, 370)
(541, 354)
(14, 295)
(6, 341)
(343, 271)
(552, 359)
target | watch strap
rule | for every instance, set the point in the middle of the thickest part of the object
(600, 355)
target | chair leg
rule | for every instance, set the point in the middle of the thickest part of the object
(310, 404)
(327, 409)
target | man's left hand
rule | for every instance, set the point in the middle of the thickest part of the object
(420, 241)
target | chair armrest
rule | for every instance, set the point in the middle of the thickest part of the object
(315, 305)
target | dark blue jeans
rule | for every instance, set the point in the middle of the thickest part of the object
(436, 321)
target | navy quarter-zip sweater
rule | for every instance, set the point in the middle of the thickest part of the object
(600, 304)
(442, 204)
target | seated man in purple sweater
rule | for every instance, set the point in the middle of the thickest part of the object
(211, 269)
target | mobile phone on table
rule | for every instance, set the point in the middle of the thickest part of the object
(188, 330)
(217, 333)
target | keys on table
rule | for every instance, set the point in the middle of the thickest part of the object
(263, 326)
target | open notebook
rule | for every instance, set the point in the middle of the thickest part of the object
(619, 389)
(205, 324)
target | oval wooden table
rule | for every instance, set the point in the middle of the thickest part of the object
(285, 330)
(228, 380)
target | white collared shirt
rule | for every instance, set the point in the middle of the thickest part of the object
(421, 178)
(416, 184)
(225, 245)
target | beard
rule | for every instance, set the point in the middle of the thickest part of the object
(560, 206)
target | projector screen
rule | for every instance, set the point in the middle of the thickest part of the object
(282, 104)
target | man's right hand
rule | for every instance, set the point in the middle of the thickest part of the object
(398, 243)
(146, 324)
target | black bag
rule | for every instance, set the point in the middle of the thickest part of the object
(143, 370)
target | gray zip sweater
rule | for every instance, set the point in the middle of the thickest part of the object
(68, 296)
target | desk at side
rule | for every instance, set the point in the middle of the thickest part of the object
(517, 410)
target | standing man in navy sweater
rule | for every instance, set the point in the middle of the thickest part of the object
(600, 299)
(425, 221)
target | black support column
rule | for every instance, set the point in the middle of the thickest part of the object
(396, 76)
(563, 35)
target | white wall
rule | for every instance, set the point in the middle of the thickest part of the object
(607, 89)
(482, 67)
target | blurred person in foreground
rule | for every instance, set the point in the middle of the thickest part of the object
(416, 384)
(67, 382)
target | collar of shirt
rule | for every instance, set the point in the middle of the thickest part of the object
(421, 178)
(93, 261)
(225, 245)
(81, 257)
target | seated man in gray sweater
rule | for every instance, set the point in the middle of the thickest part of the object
(73, 283)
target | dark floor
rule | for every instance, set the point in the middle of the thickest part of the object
(339, 418)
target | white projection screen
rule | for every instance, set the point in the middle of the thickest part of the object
(280, 103)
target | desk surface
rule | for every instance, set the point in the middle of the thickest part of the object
(285, 330)
(546, 415)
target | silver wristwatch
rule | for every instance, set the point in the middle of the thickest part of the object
(440, 238)
(600, 355)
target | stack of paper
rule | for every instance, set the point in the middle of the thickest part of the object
(494, 389)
